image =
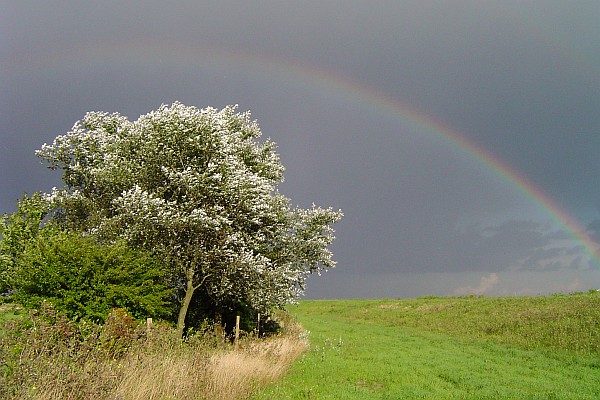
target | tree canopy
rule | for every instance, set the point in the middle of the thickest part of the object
(197, 188)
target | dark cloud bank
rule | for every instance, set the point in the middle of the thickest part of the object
(422, 216)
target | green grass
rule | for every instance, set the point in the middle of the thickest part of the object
(448, 348)
(11, 311)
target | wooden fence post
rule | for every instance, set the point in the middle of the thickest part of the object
(237, 331)
(149, 329)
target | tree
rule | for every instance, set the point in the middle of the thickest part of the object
(197, 188)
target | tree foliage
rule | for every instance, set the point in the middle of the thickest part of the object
(16, 231)
(85, 279)
(197, 188)
(78, 275)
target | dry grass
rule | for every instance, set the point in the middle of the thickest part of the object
(227, 374)
(170, 376)
(235, 374)
(56, 361)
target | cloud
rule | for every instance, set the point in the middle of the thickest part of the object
(485, 284)
(555, 255)
(528, 245)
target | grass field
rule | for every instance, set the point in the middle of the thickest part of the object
(448, 348)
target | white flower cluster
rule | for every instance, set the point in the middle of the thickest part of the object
(199, 187)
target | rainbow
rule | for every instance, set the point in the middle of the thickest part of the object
(409, 114)
(176, 54)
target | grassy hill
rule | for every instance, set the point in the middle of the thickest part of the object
(448, 348)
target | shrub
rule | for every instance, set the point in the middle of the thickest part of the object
(16, 230)
(119, 332)
(85, 279)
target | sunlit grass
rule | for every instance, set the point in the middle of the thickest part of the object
(445, 348)
(232, 375)
(10, 311)
(557, 322)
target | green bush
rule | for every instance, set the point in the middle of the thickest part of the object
(86, 279)
(16, 230)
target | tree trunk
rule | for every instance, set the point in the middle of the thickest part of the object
(187, 299)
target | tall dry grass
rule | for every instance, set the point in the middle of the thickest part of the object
(235, 374)
(178, 374)
(51, 358)
(195, 373)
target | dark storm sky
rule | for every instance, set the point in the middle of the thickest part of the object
(325, 80)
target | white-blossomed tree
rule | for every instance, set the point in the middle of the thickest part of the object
(197, 188)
